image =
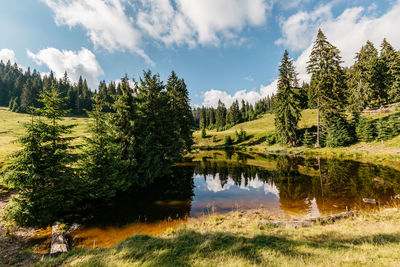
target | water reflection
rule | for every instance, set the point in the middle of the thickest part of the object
(225, 181)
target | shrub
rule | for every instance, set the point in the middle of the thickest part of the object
(228, 140)
(270, 139)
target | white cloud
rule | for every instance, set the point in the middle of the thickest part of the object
(7, 54)
(106, 23)
(348, 31)
(298, 30)
(212, 96)
(78, 63)
(123, 25)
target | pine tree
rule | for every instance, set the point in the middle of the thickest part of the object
(287, 111)
(152, 130)
(365, 130)
(308, 139)
(328, 80)
(101, 169)
(203, 133)
(338, 134)
(181, 116)
(42, 170)
(383, 130)
(220, 115)
(394, 70)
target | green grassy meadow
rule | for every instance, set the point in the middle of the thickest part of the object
(258, 129)
(11, 127)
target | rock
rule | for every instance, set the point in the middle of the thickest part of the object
(58, 241)
(369, 201)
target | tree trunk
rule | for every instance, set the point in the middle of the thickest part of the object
(318, 126)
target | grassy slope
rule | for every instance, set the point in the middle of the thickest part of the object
(11, 127)
(257, 130)
(237, 240)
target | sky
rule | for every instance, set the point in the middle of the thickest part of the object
(224, 49)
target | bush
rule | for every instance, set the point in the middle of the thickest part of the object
(228, 140)
(241, 136)
(214, 138)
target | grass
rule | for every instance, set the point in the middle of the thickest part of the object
(258, 129)
(238, 239)
(11, 127)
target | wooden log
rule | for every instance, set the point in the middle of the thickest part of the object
(58, 241)
(369, 201)
(309, 222)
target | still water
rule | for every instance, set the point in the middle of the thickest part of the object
(220, 182)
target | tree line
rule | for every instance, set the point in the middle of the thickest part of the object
(339, 94)
(222, 118)
(20, 90)
(130, 148)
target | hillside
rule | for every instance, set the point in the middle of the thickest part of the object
(258, 130)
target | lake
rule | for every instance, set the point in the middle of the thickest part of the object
(222, 181)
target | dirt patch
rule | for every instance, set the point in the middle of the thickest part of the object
(14, 243)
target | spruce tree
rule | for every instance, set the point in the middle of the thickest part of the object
(101, 169)
(394, 69)
(287, 99)
(220, 115)
(152, 129)
(308, 139)
(181, 116)
(365, 130)
(328, 80)
(383, 130)
(41, 170)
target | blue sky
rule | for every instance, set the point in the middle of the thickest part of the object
(224, 49)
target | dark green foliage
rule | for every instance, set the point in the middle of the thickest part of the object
(287, 103)
(181, 117)
(308, 139)
(338, 134)
(383, 130)
(103, 167)
(328, 82)
(42, 170)
(394, 126)
(220, 115)
(271, 139)
(365, 130)
(203, 133)
(228, 140)
(241, 136)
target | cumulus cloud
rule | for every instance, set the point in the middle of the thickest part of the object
(348, 31)
(298, 30)
(7, 54)
(78, 63)
(106, 22)
(212, 96)
(123, 25)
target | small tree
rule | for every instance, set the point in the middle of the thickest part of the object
(382, 130)
(41, 170)
(308, 139)
(365, 130)
(338, 134)
(203, 133)
(228, 140)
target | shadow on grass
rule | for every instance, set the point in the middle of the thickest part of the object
(190, 247)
